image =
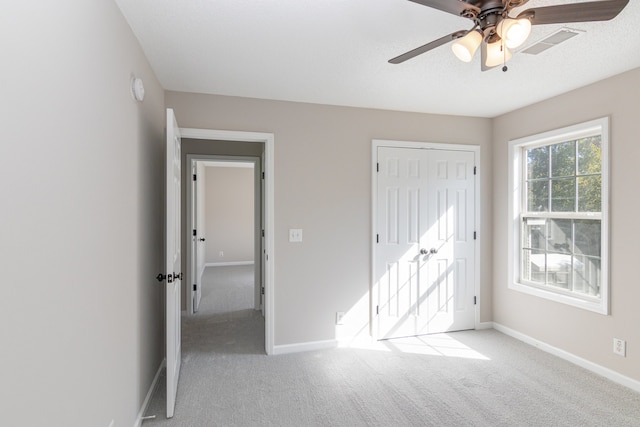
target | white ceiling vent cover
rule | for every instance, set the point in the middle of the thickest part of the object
(554, 39)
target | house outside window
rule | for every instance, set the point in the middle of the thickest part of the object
(558, 202)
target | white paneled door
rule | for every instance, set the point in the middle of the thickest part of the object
(172, 263)
(198, 235)
(424, 251)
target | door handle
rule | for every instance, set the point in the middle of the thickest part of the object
(431, 251)
(201, 239)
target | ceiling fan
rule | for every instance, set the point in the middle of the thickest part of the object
(495, 32)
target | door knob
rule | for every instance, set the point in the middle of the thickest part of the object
(431, 251)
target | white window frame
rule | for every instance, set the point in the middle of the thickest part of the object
(516, 201)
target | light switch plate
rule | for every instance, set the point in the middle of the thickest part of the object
(295, 235)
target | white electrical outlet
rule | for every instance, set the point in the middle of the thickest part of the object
(620, 347)
(339, 317)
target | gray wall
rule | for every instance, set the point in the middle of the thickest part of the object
(580, 332)
(81, 184)
(230, 225)
(323, 185)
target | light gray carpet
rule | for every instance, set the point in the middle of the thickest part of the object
(227, 289)
(472, 378)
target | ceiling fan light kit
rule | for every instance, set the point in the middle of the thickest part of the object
(497, 53)
(514, 32)
(495, 31)
(464, 48)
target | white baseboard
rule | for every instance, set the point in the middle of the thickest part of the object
(583, 363)
(147, 399)
(225, 264)
(484, 325)
(305, 346)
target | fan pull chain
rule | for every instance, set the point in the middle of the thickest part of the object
(504, 57)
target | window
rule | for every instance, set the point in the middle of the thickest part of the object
(559, 205)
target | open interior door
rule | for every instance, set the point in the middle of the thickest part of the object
(198, 212)
(263, 226)
(173, 270)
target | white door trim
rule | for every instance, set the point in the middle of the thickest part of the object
(269, 142)
(375, 143)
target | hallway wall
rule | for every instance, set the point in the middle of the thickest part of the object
(81, 184)
(230, 214)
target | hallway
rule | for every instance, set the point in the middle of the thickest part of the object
(226, 325)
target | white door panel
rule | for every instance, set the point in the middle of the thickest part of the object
(451, 182)
(425, 251)
(173, 267)
(198, 221)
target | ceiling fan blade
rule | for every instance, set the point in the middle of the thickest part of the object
(427, 47)
(575, 12)
(456, 7)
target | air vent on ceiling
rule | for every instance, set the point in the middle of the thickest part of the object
(554, 39)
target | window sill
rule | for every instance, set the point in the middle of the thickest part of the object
(600, 307)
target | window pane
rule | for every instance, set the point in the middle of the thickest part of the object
(538, 196)
(538, 163)
(586, 275)
(559, 270)
(589, 193)
(587, 237)
(533, 266)
(560, 236)
(589, 155)
(535, 233)
(563, 159)
(563, 195)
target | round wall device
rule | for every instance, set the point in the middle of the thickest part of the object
(137, 89)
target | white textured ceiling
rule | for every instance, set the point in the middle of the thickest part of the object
(336, 51)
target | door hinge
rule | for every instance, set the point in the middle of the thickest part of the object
(475, 235)
(377, 310)
(262, 290)
(377, 167)
(262, 233)
(262, 175)
(475, 170)
(377, 238)
(194, 177)
(194, 233)
(195, 287)
(475, 300)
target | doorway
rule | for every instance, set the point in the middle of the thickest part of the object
(205, 142)
(224, 222)
(425, 240)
